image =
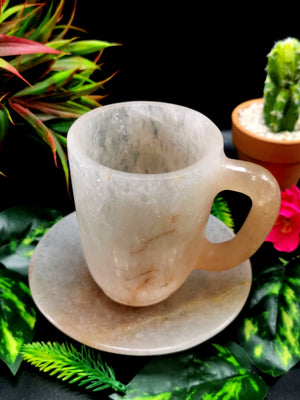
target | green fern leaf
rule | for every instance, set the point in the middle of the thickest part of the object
(68, 364)
(221, 210)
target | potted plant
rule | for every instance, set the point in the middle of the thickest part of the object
(46, 76)
(267, 130)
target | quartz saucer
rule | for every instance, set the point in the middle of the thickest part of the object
(67, 295)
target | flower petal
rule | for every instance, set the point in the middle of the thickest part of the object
(288, 243)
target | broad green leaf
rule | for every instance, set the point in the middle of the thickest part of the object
(21, 228)
(221, 211)
(270, 331)
(84, 47)
(224, 373)
(61, 126)
(17, 317)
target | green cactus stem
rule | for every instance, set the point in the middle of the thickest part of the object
(282, 86)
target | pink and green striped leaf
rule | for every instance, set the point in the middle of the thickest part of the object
(8, 67)
(44, 132)
(58, 139)
(68, 109)
(12, 46)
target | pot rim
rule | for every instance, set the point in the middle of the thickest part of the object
(252, 134)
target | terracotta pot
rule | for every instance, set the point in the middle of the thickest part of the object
(281, 158)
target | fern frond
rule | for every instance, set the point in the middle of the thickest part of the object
(68, 364)
(221, 210)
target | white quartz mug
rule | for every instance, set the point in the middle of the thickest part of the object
(144, 178)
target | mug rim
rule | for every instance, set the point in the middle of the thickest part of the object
(216, 143)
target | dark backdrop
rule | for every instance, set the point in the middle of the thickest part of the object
(205, 55)
(208, 55)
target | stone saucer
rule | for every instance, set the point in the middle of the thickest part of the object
(66, 294)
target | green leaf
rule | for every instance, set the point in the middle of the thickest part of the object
(61, 126)
(13, 10)
(63, 158)
(84, 47)
(8, 67)
(45, 28)
(68, 109)
(26, 21)
(17, 318)
(21, 228)
(42, 130)
(85, 90)
(54, 82)
(72, 63)
(224, 373)
(221, 211)
(84, 367)
(270, 331)
(4, 122)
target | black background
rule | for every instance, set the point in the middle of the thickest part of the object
(209, 56)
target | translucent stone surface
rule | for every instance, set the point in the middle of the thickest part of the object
(67, 295)
(144, 177)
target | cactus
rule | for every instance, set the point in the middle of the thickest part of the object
(282, 86)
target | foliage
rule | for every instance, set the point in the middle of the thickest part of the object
(224, 373)
(282, 86)
(21, 228)
(46, 81)
(83, 367)
(17, 317)
(221, 210)
(270, 331)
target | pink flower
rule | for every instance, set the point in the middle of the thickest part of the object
(285, 234)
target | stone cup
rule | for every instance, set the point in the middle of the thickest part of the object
(144, 178)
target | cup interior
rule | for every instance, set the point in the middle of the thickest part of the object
(144, 138)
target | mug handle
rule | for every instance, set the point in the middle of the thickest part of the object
(262, 188)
